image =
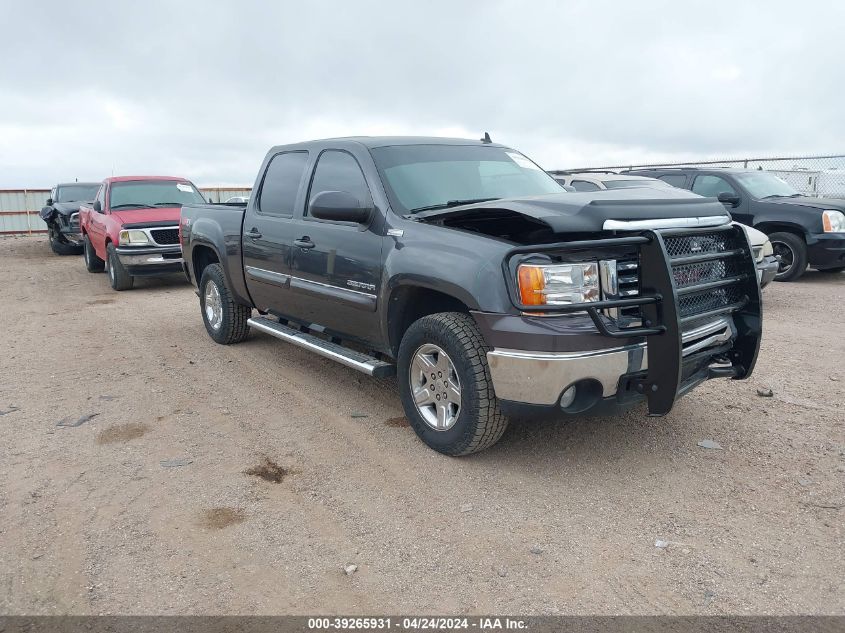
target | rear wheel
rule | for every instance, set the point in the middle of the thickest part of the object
(793, 255)
(92, 263)
(445, 385)
(225, 319)
(118, 277)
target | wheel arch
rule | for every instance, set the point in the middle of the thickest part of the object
(774, 226)
(410, 302)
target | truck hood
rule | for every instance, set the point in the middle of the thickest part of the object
(806, 201)
(140, 217)
(587, 211)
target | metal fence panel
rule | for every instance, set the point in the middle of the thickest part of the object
(19, 207)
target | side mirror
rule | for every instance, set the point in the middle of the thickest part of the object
(726, 197)
(338, 206)
(97, 206)
(210, 201)
(49, 202)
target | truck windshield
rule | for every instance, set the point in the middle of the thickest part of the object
(432, 176)
(761, 184)
(143, 194)
(76, 193)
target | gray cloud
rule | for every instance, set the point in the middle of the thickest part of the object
(203, 89)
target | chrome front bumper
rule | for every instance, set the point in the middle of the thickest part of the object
(149, 256)
(541, 377)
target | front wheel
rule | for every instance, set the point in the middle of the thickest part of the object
(225, 319)
(118, 277)
(793, 255)
(445, 385)
(61, 247)
(93, 264)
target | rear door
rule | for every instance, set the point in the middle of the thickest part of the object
(267, 230)
(336, 266)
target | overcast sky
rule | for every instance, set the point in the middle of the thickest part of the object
(202, 89)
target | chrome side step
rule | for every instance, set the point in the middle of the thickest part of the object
(343, 355)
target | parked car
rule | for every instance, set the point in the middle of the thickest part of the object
(599, 180)
(61, 213)
(464, 269)
(238, 200)
(803, 230)
(132, 227)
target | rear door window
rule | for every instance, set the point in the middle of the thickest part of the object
(281, 183)
(711, 186)
(676, 180)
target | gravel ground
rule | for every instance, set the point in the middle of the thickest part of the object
(244, 479)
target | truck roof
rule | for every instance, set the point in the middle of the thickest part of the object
(385, 141)
(125, 178)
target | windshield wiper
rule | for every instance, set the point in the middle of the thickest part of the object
(780, 195)
(171, 204)
(136, 205)
(452, 203)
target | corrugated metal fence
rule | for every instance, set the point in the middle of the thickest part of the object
(19, 207)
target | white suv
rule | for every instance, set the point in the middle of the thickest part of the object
(598, 180)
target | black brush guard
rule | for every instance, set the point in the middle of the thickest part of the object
(662, 323)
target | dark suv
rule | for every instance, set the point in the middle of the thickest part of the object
(803, 230)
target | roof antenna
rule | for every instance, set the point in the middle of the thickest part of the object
(486, 138)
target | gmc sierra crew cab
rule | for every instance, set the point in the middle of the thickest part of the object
(467, 272)
(132, 227)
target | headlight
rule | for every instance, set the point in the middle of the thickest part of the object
(833, 221)
(133, 238)
(558, 284)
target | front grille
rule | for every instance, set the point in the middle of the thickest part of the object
(719, 255)
(703, 272)
(682, 245)
(707, 300)
(165, 236)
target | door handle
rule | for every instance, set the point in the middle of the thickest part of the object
(253, 233)
(304, 243)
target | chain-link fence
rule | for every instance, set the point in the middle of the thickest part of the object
(822, 176)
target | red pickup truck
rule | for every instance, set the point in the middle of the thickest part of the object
(132, 227)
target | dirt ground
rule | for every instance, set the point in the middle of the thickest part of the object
(244, 479)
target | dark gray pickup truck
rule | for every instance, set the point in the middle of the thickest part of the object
(469, 273)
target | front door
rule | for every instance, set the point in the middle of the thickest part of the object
(267, 231)
(711, 185)
(336, 266)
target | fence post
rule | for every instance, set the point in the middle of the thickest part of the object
(26, 211)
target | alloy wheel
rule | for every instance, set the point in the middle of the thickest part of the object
(213, 306)
(435, 387)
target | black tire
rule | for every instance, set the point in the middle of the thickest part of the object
(118, 277)
(793, 252)
(93, 264)
(838, 269)
(232, 327)
(60, 247)
(479, 423)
